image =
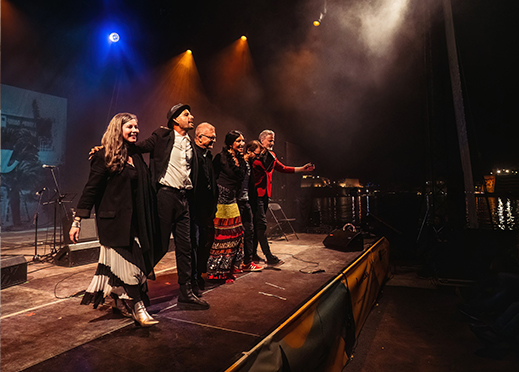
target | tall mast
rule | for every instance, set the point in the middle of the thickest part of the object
(459, 112)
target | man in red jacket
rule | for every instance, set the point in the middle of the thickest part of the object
(263, 169)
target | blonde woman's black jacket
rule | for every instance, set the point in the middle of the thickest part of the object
(111, 194)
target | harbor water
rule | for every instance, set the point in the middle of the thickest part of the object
(405, 212)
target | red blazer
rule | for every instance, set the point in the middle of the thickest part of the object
(263, 171)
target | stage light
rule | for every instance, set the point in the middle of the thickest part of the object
(114, 37)
(189, 51)
(317, 22)
(244, 38)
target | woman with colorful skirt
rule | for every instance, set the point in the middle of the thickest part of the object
(227, 249)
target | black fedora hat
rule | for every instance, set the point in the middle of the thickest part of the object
(177, 110)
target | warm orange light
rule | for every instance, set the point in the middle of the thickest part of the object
(235, 75)
(189, 51)
(177, 81)
(316, 23)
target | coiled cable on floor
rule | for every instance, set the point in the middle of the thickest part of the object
(77, 294)
(305, 270)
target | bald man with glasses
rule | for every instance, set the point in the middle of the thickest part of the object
(203, 204)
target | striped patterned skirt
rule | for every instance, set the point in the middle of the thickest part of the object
(119, 273)
(227, 248)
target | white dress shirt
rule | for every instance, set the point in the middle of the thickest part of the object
(179, 166)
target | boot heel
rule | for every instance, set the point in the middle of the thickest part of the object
(188, 301)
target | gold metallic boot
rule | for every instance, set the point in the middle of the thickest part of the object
(141, 316)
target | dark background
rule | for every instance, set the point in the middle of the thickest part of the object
(359, 96)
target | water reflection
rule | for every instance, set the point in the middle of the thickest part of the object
(498, 213)
(337, 211)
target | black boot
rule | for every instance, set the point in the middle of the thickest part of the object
(196, 289)
(188, 301)
(201, 283)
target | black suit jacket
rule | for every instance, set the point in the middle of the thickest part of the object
(159, 145)
(205, 196)
(111, 194)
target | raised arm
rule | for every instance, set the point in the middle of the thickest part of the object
(280, 167)
(308, 167)
(147, 145)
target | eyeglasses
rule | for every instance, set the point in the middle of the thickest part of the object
(212, 138)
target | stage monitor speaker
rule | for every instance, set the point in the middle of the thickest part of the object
(78, 254)
(14, 271)
(344, 240)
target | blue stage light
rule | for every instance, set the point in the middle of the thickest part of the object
(114, 37)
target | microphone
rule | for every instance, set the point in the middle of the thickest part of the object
(48, 166)
(41, 191)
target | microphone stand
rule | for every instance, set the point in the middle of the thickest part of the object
(58, 201)
(36, 213)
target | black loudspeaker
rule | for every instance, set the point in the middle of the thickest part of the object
(344, 240)
(78, 254)
(14, 271)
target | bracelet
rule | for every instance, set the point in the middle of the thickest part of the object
(76, 224)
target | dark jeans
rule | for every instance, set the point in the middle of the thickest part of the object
(248, 227)
(202, 236)
(260, 226)
(174, 218)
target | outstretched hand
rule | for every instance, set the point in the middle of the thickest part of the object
(93, 150)
(310, 167)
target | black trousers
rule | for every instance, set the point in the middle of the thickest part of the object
(174, 218)
(202, 236)
(260, 226)
(248, 227)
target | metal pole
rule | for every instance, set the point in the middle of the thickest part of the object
(459, 112)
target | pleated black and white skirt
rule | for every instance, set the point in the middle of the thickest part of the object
(120, 272)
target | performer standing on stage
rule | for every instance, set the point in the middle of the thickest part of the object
(263, 169)
(227, 248)
(119, 187)
(203, 205)
(247, 197)
(174, 167)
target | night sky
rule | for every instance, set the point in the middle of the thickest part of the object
(355, 95)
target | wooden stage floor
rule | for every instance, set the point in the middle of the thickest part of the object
(44, 327)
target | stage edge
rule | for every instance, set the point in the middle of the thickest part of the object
(321, 334)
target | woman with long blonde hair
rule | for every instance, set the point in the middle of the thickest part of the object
(119, 186)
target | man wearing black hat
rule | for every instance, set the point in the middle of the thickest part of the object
(174, 168)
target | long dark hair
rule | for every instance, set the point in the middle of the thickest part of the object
(229, 153)
(230, 137)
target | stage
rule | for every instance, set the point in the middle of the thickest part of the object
(263, 319)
